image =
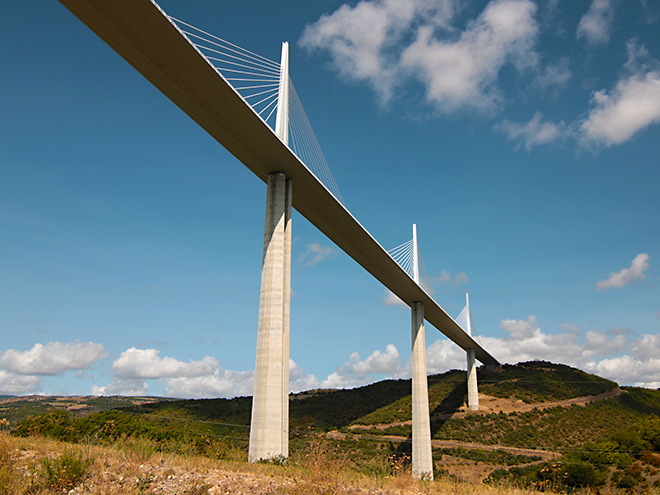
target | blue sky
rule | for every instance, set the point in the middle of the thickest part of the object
(521, 137)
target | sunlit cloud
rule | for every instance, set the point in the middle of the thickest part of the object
(555, 75)
(617, 354)
(596, 24)
(626, 275)
(315, 253)
(630, 107)
(13, 384)
(53, 358)
(414, 41)
(146, 363)
(534, 132)
(357, 372)
(459, 279)
(392, 299)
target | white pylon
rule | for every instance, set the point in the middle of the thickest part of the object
(422, 455)
(282, 118)
(472, 386)
(269, 430)
(415, 254)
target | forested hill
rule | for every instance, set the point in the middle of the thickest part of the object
(604, 434)
(388, 401)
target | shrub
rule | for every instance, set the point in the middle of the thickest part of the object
(66, 471)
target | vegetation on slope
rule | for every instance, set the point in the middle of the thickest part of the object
(15, 409)
(597, 450)
(531, 382)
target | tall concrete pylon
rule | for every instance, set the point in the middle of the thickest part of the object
(422, 455)
(269, 427)
(472, 387)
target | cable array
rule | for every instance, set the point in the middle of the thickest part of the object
(462, 320)
(403, 255)
(256, 78)
(425, 280)
(304, 144)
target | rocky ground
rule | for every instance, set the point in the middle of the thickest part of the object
(128, 471)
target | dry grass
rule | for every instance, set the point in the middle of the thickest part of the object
(41, 466)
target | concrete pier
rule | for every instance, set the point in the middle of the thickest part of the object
(473, 391)
(269, 430)
(422, 459)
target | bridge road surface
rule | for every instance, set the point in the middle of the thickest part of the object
(143, 35)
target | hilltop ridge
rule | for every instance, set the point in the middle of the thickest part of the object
(531, 415)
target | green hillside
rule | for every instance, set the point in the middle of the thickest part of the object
(606, 435)
(14, 409)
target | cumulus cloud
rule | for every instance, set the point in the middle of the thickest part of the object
(299, 380)
(626, 275)
(361, 38)
(444, 355)
(590, 351)
(463, 73)
(534, 132)
(146, 363)
(387, 43)
(219, 383)
(194, 379)
(629, 370)
(632, 106)
(315, 253)
(460, 278)
(53, 358)
(357, 372)
(636, 361)
(392, 299)
(555, 75)
(118, 386)
(596, 24)
(13, 384)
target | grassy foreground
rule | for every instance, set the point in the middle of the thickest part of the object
(36, 465)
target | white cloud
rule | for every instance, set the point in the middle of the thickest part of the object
(316, 253)
(534, 132)
(299, 380)
(53, 358)
(357, 372)
(555, 75)
(12, 384)
(194, 379)
(460, 278)
(145, 363)
(458, 69)
(220, 383)
(626, 275)
(444, 355)
(588, 351)
(360, 38)
(614, 117)
(596, 24)
(627, 369)
(118, 386)
(392, 299)
(524, 340)
(633, 104)
(463, 73)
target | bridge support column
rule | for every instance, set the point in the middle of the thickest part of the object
(422, 458)
(472, 388)
(269, 430)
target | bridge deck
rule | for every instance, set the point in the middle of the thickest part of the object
(141, 33)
